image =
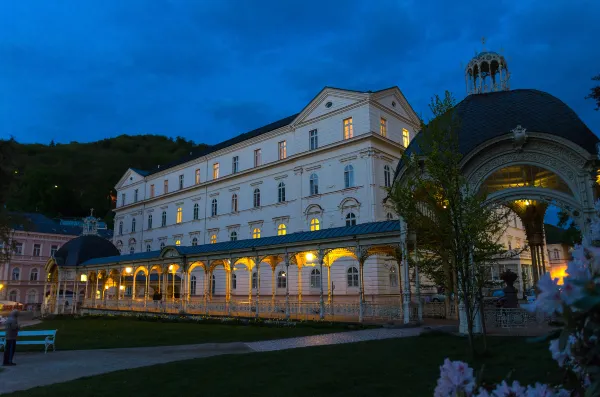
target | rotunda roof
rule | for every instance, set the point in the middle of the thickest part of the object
(83, 248)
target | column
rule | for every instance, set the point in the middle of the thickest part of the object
(321, 302)
(534, 265)
(405, 275)
(133, 285)
(250, 272)
(119, 288)
(57, 292)
(75, 294)
(287, 286)
(64, 295)
(418, 282)
(521, 281)
(273, 287)
(329, 286)
(44, 302)
(257, 261)
(361, 282)
(85, 294)
(543, 257)
(97, 286)
(205, 289)
(299, 286)
(146, 291)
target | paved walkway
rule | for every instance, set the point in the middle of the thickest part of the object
(38, 369)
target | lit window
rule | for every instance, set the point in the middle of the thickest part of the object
(122, 199)
(254, 280)
(151, 191)
(133, 225)
(233, 281)
(405, 139)
(163, 222)
(256, 233)
(179, 215)
(235, 164)
(282, 150)
(166, 186)
(233, 236)
(33, 275)
(281, 279)
(351, 219)
(177, 242)
(348, 176)
(352, 277)
(196, 211)
(389, 216)
(314, 139)
(387, 176)
(131, 250)
(315, 278)
(314, 184)
(518, 243)
(162, 245)
(150, 221)
(193, 285)
(234, 203)
(213, 238)
(53, 250)
(257, 158)
(120, 228)
(281, 229)
(194, 241)
(348, 129)
(314, 225)
(135, 196)
(383, 127)
(197, 176)
(393, 277)
(37, 250)
(215, 170)
(213, 207)
(281, 192)
(180, 181)
(256, 198)
(148, 248)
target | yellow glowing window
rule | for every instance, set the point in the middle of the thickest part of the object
(178, 242)
(314, 225)
(383, 127)
(215, 170)
(281, 230)
(197, 176)
(405, 137)
(282, 150)
(179, 214)
(256, 233)
(213, 238)
(348, 129)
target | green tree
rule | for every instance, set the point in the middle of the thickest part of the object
(595, 92)
(458, 231)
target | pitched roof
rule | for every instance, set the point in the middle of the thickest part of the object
(554, 234)
(39, 223)
(324, 234)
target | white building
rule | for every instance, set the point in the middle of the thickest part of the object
(327, 166)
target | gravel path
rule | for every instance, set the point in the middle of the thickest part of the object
(39, 369)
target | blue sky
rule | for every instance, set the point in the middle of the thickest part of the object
(209, 70)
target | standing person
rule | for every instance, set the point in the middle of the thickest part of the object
(12, 329)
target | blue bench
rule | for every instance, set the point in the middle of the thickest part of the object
(46, 338)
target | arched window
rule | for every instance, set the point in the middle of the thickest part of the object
(120, 228)
(314, 184)
(351, 219)
(33, 275)
(196, 211)
(315, 278)
(131, 250)
(12, 296)
(133, 225)
(213, 207)
(234, 203)
(254, 280)
(233, 236)
(389, 216)
(281, 229)
(194, 241)
(32, 296)
(178, 242)
(393, 277)
(233, 281)
(213, 284)
(148, 248)
(348, 176)
(314, 225)
(256, 233)
(213, 238)
(16, 274)
(256, 198)
(352, 277)
(162, 245)
(150, 221)
(163, 220)
(281, 192)
(193, 285)
(281, 279)
(387, 176)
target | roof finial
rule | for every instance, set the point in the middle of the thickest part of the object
(91, 212)
(483, 43)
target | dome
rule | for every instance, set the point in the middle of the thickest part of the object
(487, 72)
(484, 117)
(83, 248)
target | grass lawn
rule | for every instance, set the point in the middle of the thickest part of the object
(109, 332)
(397, 367)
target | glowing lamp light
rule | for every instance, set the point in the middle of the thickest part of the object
(106, 287)
(55, 186)
(122, 288)
(83, 278)
(171, 268)
(1, 286)
(310, 256)
(527, 202)
(283, 274)
(128, 270)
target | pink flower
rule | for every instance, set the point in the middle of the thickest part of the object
(549, 299)
(506, 390)
(540, 390)
(456, 379)
(559, 356)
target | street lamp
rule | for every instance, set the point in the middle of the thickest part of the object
(128, 270)
(310, 256)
